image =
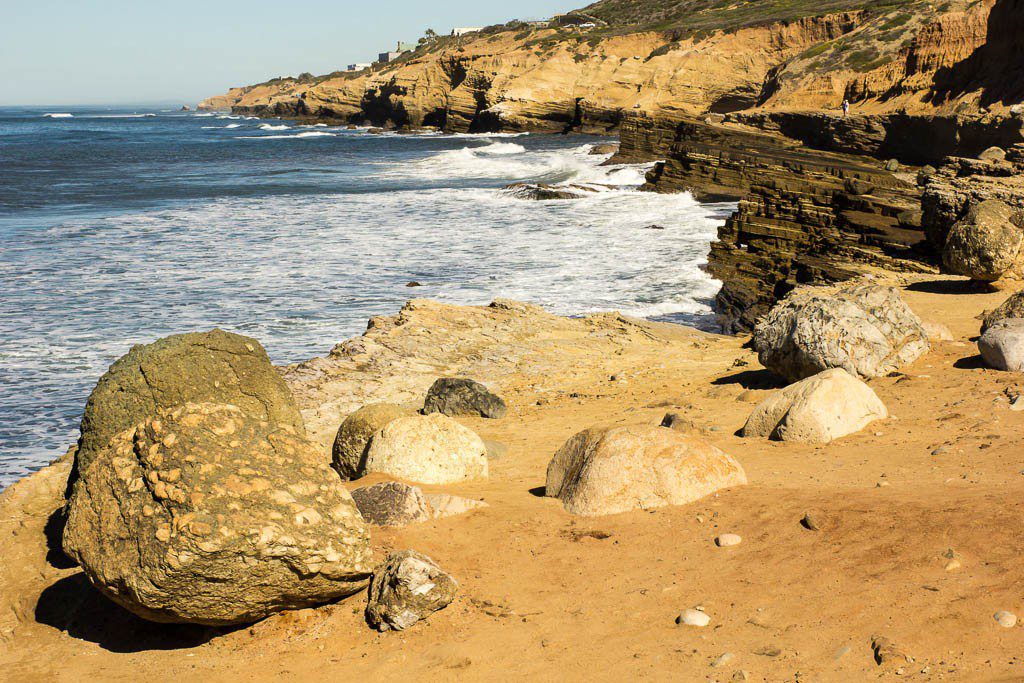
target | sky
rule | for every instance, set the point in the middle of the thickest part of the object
(181, 51)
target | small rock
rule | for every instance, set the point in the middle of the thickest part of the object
(1005, 619)
(495, 449)
(740, 675)
(953, 565)
(446, 505)
(810, 522)
(392, 504)
(723, 659)
(993, 154)
(693, 617)
(408, 587)
(728, 540)
(680, 424)
(461, 396)
(892, 165)
(768, 651)
(1017, 404)
(413, 284)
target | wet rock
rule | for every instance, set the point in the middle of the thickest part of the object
(201, 367)
(392, 504)
(604, 148)
(427, 449)
(406, 589)
(1011, 308)
(986, 244)
(866, 329)
(603, 471)
(460, 396)
(819, 409)
(693, 617)
(352, 442)
(1002, 345)
(544, 192)
(414, 283)
(208, 515)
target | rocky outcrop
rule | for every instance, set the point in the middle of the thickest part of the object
(406, 589)
(1011, 308)
(427, 449)
(961, 183)
(462, 396)
(609, 471)
(354, 434)
(819, 409)
(207, 514)
(867, 330)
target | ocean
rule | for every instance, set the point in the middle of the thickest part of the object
(119, 226)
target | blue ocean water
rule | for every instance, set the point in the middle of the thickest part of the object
(119, 226)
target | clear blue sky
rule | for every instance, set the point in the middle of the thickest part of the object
(171, 51)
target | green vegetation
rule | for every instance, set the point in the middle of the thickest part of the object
(724, 15)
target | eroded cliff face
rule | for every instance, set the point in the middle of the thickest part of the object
(742, 111)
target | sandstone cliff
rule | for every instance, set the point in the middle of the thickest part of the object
(737, 101)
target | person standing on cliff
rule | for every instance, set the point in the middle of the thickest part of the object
(846, 108)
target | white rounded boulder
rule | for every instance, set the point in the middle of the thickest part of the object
(605, 471)
(427, 449)
(1002, 345)
(819, 409)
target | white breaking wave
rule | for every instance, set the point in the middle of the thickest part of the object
(230, 125)
(268, 126)
(305, 134)
(59, 116)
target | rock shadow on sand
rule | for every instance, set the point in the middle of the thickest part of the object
(73, 606)
(753, 380)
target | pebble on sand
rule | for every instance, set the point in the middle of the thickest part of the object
(693, 617)
(1005, 619)
(728, 540)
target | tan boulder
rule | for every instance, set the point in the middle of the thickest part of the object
(353, 438)
(205, 514)
(199, 367)
(604, 471)
(819, 409)
(427, 449)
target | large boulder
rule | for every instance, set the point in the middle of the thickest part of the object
(819, 409)
(1002, 345)
(427, 449)
(408, 587)
(1011, 308)
(200, 367)
(865, 329)
(206, 514)
(986, 244)
(604, 471)
(460, 396)
(353, 438)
